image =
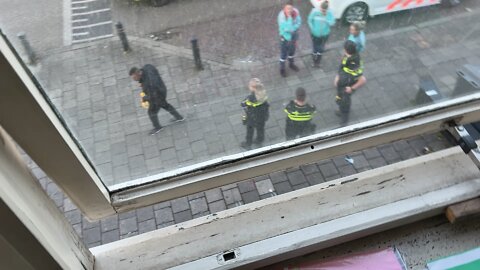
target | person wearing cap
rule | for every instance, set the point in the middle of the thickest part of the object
(320, 21)
(289, 22)
(256, 109)
(299, 116)
(348, 80)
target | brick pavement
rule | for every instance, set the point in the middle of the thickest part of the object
(172, 212)
(90, 87)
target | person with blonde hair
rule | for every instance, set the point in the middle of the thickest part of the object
(256, 109)
(357, 35)
(289, 22)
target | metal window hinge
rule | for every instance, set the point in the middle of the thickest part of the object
(466, 142)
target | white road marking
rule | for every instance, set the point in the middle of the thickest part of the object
(83, 1)
(91, 12)
(92, 39)
(79, 20)
(81, 34)
(79, 8)
(91, 25)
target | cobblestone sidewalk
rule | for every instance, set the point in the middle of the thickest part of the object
(89, 85)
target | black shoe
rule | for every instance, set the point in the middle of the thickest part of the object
(246, 146)
(177, 120)
(293, 67)
(155, 131)
(283, 73)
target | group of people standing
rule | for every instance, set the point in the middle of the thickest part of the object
(299, 113)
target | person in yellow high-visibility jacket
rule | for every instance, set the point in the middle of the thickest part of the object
(349, 79)
(299, 116)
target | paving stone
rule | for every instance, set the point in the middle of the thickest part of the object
(196, 196)
(264, 186)
(182, 216)
(180, 204)
(339, 161)
(349, 170)
(217, 206)
(371, 153)
(283, 187)
(128, 225)
(246, 186)
(202, 214)
(328, 169)
(315, 178)
(278, 177)
(161, 205)
(250, 196)
(110, 236)
(232, 196)
(91, 235)
(213, 195)
(377, 162)
(128, 214)
(78, 229)
(359, 161)
(300, 186)
(166, 224)
(164, 215)
(147, 226)
(109, 223)
(198, 206)
(145, 213)
(88, 225)
(389, 153)
(296, 177)
(73, 216)
(309, 168)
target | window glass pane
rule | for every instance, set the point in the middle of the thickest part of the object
(256, 57)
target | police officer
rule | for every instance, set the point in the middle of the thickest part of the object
(299, 116)
(349, 79)
(155, 92)
(256, 109)
(289, 21)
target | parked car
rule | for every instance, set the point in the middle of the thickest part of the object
(355, 10)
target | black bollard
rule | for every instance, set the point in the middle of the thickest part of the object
(196, 54)
(122, 36)
(32, 58)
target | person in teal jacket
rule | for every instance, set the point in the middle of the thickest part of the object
(357, 35)
(289, 22)
(319, 21)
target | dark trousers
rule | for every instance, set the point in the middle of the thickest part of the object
(318, 47)
(344, 103)
(287, 50)
(293, 129)
(155, 108)
(260, 127)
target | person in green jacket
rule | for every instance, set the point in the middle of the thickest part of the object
(320, 21)
(289, 21)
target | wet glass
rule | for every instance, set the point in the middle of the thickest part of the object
(414, 57)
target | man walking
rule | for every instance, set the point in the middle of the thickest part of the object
(155, 94)
(320, 21)
(289, 21)
(349, 79)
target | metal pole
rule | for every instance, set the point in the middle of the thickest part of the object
(196, 54)
(122, 36)
(32, 58)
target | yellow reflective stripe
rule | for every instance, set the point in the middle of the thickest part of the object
(253, 104)
(296, 116)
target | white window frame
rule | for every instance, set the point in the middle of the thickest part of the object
(31, 120)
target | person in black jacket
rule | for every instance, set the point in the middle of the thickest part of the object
(299, 116)
(256, 107)
(349, 79)
(155, 94)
